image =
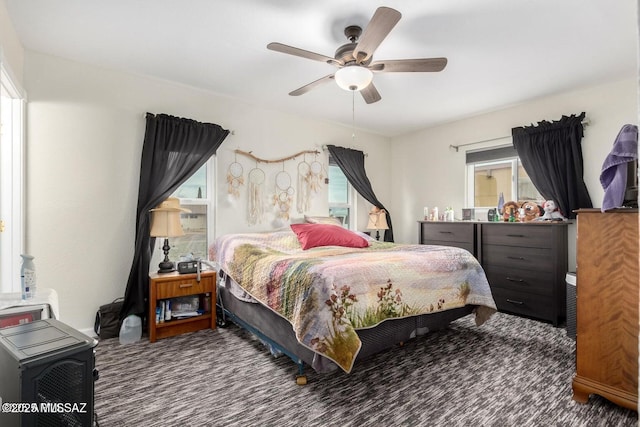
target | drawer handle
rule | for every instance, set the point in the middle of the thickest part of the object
(185, 285)
(520, 258)
(445, 232)
(515, 280)
(515, 302)
(515, 235)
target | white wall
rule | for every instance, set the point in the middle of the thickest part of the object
(85, 128)
(419, 181)
(11, 51)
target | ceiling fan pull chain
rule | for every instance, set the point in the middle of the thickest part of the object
(353, 114)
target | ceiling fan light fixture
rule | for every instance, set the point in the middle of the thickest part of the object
(353, 77)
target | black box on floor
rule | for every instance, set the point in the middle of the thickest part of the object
(48, 373)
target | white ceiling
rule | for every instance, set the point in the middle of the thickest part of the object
(500, 52)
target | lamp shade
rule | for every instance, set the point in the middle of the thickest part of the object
(377, 220)
(165, 219)
(166, 224)
(172, 204)
(353, 77)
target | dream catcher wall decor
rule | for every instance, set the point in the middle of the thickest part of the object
(316, 176)
(302, 201)
(234, 178)
(256, 209)
(283, 195)
(310, 177)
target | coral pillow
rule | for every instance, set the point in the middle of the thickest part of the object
(314, 235)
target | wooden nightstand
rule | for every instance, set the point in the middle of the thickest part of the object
(173, 285)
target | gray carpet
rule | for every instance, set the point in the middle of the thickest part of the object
(509, 372)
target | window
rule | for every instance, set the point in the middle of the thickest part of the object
(340, 195)
(196, 195)
(494, 172)
(11, 182)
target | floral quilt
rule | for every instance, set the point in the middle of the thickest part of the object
(329, 292)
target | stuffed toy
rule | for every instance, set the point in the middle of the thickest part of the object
(510, 211)
(551, 212)
(531, 211)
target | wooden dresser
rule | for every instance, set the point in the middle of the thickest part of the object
(526, 263)
(607, 306)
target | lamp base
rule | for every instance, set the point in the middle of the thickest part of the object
(166, 266)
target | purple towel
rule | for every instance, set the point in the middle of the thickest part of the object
(614, 169)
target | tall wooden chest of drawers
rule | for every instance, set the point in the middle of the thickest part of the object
(607, 306)
(526, 263)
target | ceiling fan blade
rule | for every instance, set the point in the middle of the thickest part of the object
(370, 94)
(283, 48)
(306, 88)
(381, 24)
(409, 65)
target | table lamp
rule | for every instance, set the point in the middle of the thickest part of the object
(377, 221)
(165, 222)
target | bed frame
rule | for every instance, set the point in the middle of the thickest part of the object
(278, 335)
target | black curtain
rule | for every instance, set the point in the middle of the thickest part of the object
(551, 154)
(351, 162)
(173, 150)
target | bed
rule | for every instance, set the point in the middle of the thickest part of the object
(326, 296)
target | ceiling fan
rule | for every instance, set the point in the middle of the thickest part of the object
(355, 59)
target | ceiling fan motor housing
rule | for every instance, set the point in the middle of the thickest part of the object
(344, 54)
(353, 33)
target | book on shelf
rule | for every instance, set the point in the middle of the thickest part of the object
(186, 314)
(180, 308)
(160, 312)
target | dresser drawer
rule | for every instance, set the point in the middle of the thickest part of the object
(537, 282)
(447, 232)
(522, 235)
(539, 259)
(524, 303)
(177, 288)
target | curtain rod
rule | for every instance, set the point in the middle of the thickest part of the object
(231, 131)
(324, 148)
(585, 122)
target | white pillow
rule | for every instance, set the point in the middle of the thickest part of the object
(322, 220)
